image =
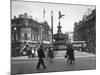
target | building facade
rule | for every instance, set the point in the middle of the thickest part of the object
(25, 29)
(85, 30)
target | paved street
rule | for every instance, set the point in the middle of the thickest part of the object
(25, 65)
(76, 53)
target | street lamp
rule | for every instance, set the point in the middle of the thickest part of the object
(15, 28)
(52, 26)
(15, 43)
(15, 33)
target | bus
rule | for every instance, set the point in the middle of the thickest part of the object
(79, 45)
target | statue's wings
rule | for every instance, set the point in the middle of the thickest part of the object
(60, 15)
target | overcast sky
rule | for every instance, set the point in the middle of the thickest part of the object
(73, 13)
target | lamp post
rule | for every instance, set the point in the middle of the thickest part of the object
(15, 41)
(15, 33)
(52, 27)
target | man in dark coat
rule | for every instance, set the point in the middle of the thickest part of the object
(41, 55)
(70, 54)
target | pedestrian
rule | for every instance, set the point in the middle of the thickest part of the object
(41, 55)
(23, 48)
(50, 54)
(28, 51)
(33, 52)
(46, 53)
(70, 54)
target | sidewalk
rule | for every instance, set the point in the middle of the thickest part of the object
(59, 55)
(24, 58)
(77, 54)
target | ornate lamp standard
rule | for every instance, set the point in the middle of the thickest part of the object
(15, 41)
(52, 28)
(15, 34)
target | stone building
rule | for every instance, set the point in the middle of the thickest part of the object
(85, 30)
(25, 29)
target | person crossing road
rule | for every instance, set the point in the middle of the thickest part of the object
(41, 57)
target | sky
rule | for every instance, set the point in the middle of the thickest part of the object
(73, 13)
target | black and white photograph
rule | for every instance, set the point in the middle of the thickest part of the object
(52, 37)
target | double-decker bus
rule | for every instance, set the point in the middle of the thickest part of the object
(79, 45)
